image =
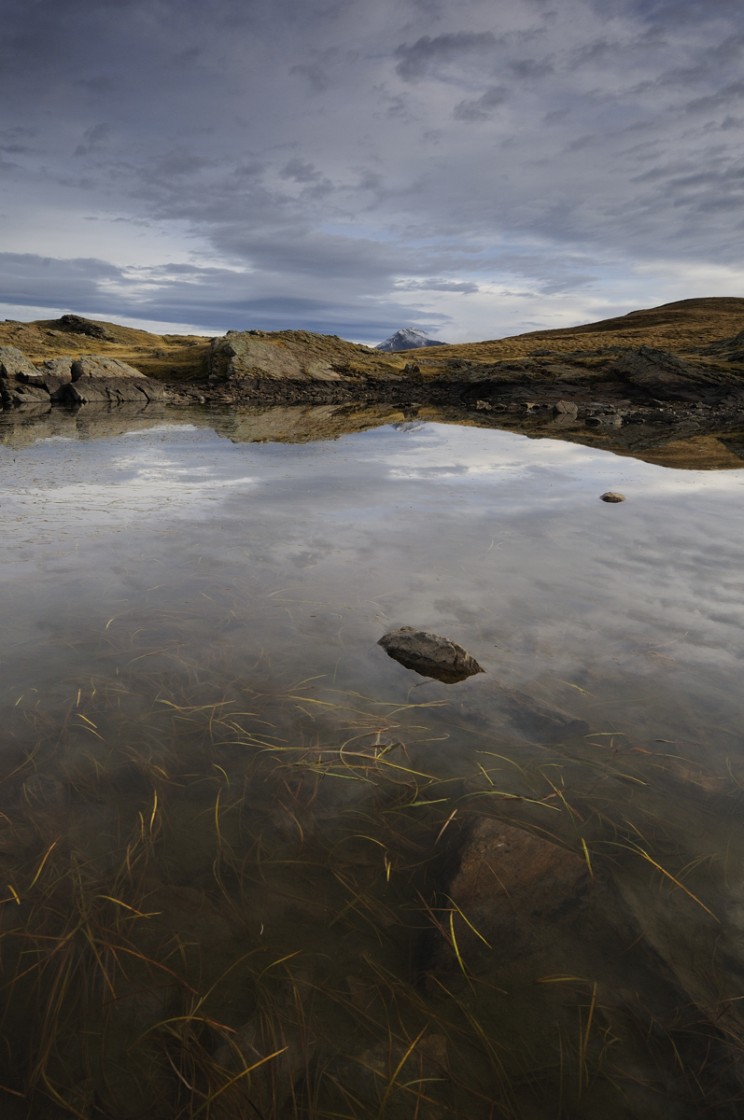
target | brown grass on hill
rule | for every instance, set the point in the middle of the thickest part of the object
(682, 328)
(166, 357)
(679, 327)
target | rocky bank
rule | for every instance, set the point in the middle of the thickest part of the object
(677, 370)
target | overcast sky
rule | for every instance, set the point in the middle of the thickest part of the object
(473, 168)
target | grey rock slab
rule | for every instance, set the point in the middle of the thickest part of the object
(108, 368)
(13, 363)
(429, 654)
(109, 390)
(16, 393)
(60, 369)
(100, 380)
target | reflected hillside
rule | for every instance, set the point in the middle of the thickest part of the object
(688, 445)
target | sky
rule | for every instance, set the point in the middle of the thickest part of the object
(473, 169)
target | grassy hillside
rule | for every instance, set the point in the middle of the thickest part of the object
(684, 328)
(166, 357)
(680, 327)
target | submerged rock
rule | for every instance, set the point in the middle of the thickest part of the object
(540, 722)
(430, 655)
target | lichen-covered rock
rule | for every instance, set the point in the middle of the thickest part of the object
(76, 324)
(297, 356)
(429, 654)
(98, 380)
(661, 374)
(99, 367)
(58, 368)
(20, 381)
(14, 362)
(15, 393)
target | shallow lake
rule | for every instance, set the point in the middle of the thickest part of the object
(242, 845)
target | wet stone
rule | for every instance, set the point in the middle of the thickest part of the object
(612, 496)
(430, 655)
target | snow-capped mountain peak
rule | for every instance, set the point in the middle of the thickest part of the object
(408, 338)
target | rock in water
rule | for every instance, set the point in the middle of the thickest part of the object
(430, 655)
(612, 496)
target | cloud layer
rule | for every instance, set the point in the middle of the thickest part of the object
(473, 170)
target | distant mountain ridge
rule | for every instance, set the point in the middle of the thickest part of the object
(408, 338)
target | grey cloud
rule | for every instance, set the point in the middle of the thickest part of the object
(662, 11)
(32, 280)
(210, 299)
(531, 68)
(315, 75)
(415, 60)
(93, 138)
(300, 171)
(99, 85)
(277, 136)
(722, 98)
(435, 285)
(482, 107)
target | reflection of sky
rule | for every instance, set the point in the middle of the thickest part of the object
(449, 451)
(160, 472)
(493, 539)
(169, 470)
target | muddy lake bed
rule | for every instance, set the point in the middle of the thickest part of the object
(252, 866)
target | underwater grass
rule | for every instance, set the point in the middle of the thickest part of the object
(225, 901)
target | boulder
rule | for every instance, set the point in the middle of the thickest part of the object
(20, 381)
(107, 368)
(429, 654)
(52, 375)
(76, 324)
(98, 380)
(661, 374)
(540, 722)
(14, 362)
(568, 409)
(14, 393)
(295, 356)
(509, 878)
(58, 368)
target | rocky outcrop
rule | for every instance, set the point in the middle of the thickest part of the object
(90, 380)
(14, 363)
(107, 381)
(430, 655)
(295, 357)
(728, 350)
(661, 374)
(76, 324)
(19, 380)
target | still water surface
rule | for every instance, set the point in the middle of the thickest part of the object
(194, 700)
